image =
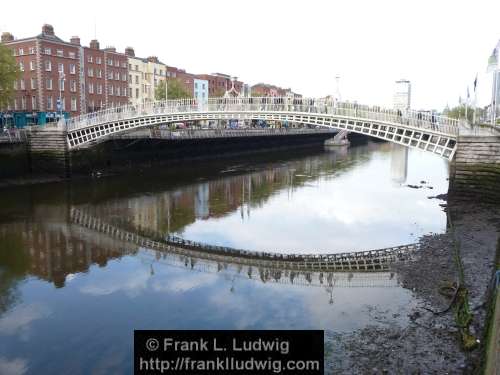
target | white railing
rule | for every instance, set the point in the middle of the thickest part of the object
(415, 119)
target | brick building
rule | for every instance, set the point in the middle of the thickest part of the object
(85, 78)
(184, 78)
(219, 83)
(42, 59)
(264, 89)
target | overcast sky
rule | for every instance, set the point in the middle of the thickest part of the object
(439, 45)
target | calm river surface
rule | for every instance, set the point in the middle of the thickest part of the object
(71, 295)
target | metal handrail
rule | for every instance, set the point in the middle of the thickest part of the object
(303, 106)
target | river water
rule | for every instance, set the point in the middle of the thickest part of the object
(71, 295)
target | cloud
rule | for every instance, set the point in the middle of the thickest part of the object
(19, 319)
(16, 366)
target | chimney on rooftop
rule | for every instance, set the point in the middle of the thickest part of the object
(153, 59)
(75, 40)
(94, 44)
(129, 51)
(47, 29)
(110, 49)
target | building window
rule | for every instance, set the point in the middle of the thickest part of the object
(60, 68)
(136, 80)
(71, 55)
(91, 88)
(23, 103)
(48, 66)
(63, 104)
(21, 67)
(117, 63)
(47, 51)
(90, 72)
(72, 68)
(136, 67)
(118, 92)
(33, 102)
(117, 76)
(73, 104)
(15, 105)
(89, 59)
(136, 93)
(32, 65)
(21, 51)
(124, 65)
(110, 75)
(99, 73)
(23, 87)
(49, 102)
(111, 90)
(33, 83)
(61, 84)
(15, 85)
(32, 50)
(72, 85)
(48, 84)
(124, 77)
(97, 60)
(130, 78)
(60, 53)
(110, 62)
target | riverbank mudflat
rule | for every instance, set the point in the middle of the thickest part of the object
(432, 341)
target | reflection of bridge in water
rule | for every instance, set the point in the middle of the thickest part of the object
(373, 260)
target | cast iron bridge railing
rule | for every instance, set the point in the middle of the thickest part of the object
(429, 132)
(372, 260)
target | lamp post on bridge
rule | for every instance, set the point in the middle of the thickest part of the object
(494, 66)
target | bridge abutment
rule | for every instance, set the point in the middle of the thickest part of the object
(475, 169)
(48, 152)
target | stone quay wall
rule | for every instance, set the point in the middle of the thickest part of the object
(475, 170)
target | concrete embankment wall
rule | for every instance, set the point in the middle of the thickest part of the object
(14, 160)
(475, 170)
(125, 153)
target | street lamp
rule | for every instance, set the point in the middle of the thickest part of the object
(61, 81)
(493, 66)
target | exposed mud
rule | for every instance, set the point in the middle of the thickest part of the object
(430, 343)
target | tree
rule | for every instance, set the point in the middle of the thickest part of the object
(9, 73)
(219, 92)
(160, 91)
(459, 112)
(175, 90)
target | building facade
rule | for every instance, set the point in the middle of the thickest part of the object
(200, 90)
(219, 83)
(402, 95)
(264, 89)
(50, 69)
(145, 75)
(64, 76)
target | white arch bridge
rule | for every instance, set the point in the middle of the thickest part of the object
(425, 131)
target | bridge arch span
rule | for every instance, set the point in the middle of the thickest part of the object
(435, 134)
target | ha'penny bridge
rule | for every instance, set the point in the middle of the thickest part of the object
(373, 260)
(474, 152)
